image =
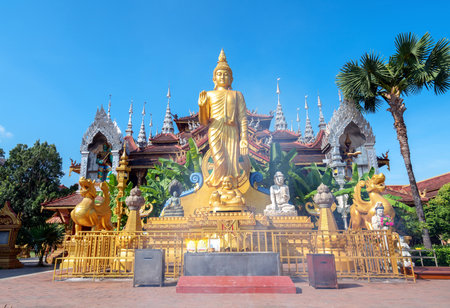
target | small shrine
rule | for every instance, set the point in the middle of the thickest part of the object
(9, 228)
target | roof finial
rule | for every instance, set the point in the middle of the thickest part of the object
(322, 123)
(309, 133)
(109, 108)
(142, 139)
(280, 120)
(168, 124)
(340, 97)
(299, 132)
(150, 132)
(129, 129)
(168, 92)
(278, 89)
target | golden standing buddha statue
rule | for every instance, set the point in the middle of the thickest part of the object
(224, 111)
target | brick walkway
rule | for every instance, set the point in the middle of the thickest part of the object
(38, 290)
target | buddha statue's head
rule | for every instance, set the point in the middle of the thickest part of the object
(278, 178)
(227, 183)
(222, 76)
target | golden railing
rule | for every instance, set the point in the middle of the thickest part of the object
(359, 255)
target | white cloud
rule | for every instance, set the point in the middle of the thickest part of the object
(4, 133)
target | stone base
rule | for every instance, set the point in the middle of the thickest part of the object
(236, 284)
(279, 213)
(232, 264)
(177, 212)
(8, 259)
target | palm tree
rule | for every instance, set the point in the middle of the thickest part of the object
(44, 237)
(416, 64)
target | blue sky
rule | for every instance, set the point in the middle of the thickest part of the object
(60, 60)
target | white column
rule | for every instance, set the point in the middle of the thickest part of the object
(115, 162)
(84, 163)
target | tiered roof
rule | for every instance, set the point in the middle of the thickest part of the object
(428, 189)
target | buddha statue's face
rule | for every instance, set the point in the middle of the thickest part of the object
(279, 179)
(227, 183)
(222, 78)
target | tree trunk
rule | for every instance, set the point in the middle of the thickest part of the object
(397, 108)
(41, 259)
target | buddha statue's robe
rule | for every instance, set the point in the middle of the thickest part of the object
(225, 113)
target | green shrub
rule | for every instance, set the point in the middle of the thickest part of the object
(442, 255)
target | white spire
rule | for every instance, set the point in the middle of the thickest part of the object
(168, 124)
(129, 129)
(142, 139)
(280, 120)
(322, 123)
(168, 92)
(299, 132)
(292, 125)
(109, 108)
(309, 133)
(150, 132)
(340, 97)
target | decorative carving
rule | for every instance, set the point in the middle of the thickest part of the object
(106, 127)
(134, 203)
(341, 119)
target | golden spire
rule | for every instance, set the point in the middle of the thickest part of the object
(222, 57)
(222, 64)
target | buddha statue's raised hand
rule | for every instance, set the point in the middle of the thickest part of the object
(243, 145)
(202, 98)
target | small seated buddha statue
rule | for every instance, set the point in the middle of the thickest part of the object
(174, 208)
(279, 195)
(227, 198)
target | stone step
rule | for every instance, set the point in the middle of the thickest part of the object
(431, 272)
(236, 284)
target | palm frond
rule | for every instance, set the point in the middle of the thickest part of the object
(441, 82)
(362, 83)
(406, 48)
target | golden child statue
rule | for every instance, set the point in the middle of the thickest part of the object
(224, 111)
(227, 197)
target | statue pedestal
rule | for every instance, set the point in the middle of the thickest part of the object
(254, 199)
(279, 213)
(174, 212)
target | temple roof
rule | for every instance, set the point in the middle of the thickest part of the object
(307, 153)
(131, 145)
(164, 138)
(284, 136)
(427, 188)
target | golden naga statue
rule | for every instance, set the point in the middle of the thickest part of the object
(224, 111)
(361, 211)
(87, 213)
(227, 198)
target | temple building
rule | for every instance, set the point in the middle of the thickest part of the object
(345, 139)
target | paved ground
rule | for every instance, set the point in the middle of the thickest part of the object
(36, 289)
